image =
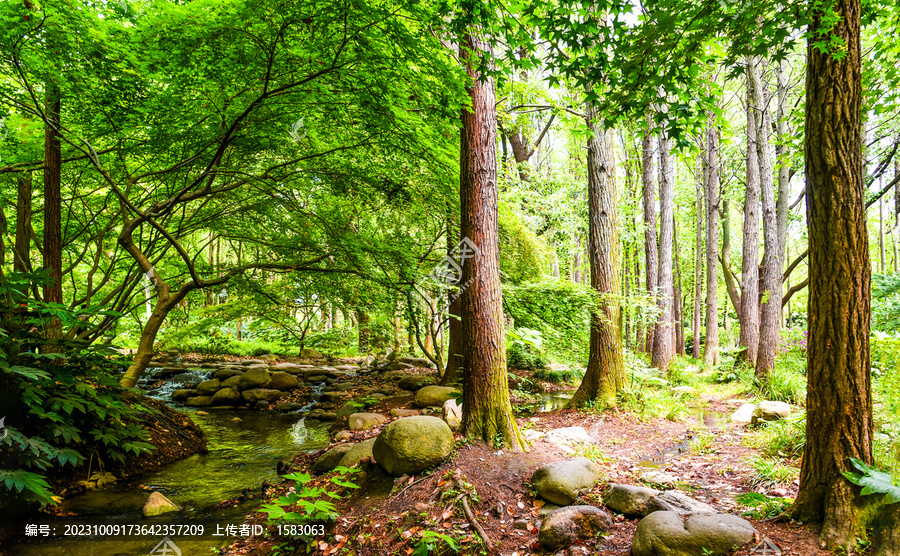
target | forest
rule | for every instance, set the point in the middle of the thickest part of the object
(426, 278)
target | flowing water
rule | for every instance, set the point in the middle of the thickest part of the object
(244, 448)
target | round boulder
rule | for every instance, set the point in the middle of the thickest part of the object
(673, 534)
(310, 353)
(254, 378)
(331, 458)
(434, 396)
(209, 387)
(365, 421)
(233, 382)
(414, 382)
(226, 396)
(282, 381)
(257, 394)
(770, 411)
(413, 444)
(198, 401)
(225, 374)
(181, 395)
(565, 526)
(562, 482)
(357, 453)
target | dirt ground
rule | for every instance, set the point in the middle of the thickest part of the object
(388, 516)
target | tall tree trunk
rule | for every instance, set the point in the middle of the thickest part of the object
(839, 423)
(651, 249)
(711, 347)
(22, 255)
(781, 155)
(770, 308)
(749, 316)
(679, 297)
(882, 246)
(486, 409)
(734, 292)
(664, 336)
(53, 204)
(698, 263)
(363, 330)
(576, 261)
(605, 374)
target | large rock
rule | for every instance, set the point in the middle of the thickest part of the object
(225, 374)
(281, 381)
(158, 504)
(269, 358)
(568, 438)
(349, 408)
(209, 387)
(564, 526)
(743, 414)
(562, 482)
(330, 459)
(417, 361)
(434, 396)
(414, 382)
(226, 396)
(198, 401)
(365, 421)
(672, 534)
(413, 444)
(634, 501)
(233, 382)
(452, 414)
(286, 367)
(628, 500)
(256, 394)
(770, 411)
(401, 412)
(310, 353)
(357, 452)
(183, 394)
(254, 378)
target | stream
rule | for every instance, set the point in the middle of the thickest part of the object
(244, 447)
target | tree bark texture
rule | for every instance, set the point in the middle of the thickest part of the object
(53, 204)
(698, 263)
(749, 316)
(770, 306)
(711, 346)
(605, 374)
(22, 255)
(487, 411)
(651, 249)
(664, 336)
(839, 421)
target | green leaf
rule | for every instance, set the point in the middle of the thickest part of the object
(873, 481)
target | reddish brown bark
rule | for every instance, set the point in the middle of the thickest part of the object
(487, 412)
(53, 205)
(22, 255)
(839, 396)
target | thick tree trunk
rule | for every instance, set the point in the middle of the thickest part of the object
(22, 255)
(698, 263)
(363, 331)
(605, 374)
(711, 346)
(486, 409)
(734, 292)
(53, 205)
(770, 307)
(749, 315)
(839, 422)
(148, 339)
(651, 249)
(664, 336)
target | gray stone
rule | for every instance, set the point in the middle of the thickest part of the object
(434, 396)
(400, 412)
(316, 378)
(416, 361)
(198, 401)
(282, 381)
(331, 458)
(342, 436)
(365, 421)
(226, 396)
(567, 525)
(332, 397)
(310, 353)
(269, 358)
(249, 362)
(413, 444)
(414, 382)
(677, 502)
(393, 375)
(253, 378)
(209, 387)
(225, 374)
(357, 453)
(569, 437)
(261, 404)
(292, 368)
(672, 534)
(743, 414)
(657, 477)
(452, 414)
(322, 415)
(288, 406)
(182, 395)
(256, 394)
(233, 382)
(628, 500)
(770, 411)
(562, 482)
(158, 504)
